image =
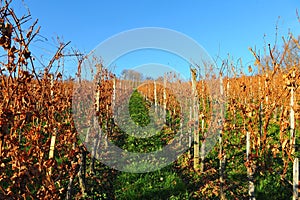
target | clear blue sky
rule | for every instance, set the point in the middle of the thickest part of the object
(221, 27)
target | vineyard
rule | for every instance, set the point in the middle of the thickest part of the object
(44, 154)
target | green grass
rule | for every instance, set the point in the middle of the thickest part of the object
(161, 184)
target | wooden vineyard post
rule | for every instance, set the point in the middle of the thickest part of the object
(155, 97)
(222, 159)
(260, 112)
(296, 179)
(291, 86)
(195, 119)
(292, 114)
(165, 100)
(190, 132)
(202, 151)
(249, 169)
(95, 122)
(181, 125)
(82, 171)
(53, 136)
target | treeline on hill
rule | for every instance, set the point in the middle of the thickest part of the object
(43, 157)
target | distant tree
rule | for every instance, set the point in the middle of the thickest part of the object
(128, 74)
